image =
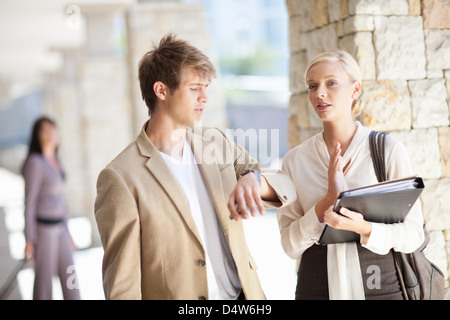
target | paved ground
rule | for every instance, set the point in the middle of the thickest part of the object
(276, 270)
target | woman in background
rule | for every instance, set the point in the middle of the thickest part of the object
(332, 161)
(47, 237)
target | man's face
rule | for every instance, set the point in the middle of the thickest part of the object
(185, 105)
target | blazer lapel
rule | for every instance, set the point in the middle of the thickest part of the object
(159, 169)
(211, 175)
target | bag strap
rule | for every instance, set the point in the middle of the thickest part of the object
(377, 143)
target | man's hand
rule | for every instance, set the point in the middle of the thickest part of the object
(247, 195)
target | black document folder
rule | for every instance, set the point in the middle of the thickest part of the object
(386, 202)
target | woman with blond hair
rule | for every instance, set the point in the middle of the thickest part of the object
(334, 160)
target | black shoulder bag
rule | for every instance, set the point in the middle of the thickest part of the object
(419, 278)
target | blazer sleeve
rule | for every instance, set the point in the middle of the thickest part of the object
(279, 181)
(117, 219)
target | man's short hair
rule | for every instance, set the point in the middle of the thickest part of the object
(165, 62)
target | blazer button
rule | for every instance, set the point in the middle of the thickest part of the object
(285, 198)
(201, 263)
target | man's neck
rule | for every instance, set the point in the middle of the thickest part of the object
(166, 136)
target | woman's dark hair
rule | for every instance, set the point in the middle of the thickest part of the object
(35, 143)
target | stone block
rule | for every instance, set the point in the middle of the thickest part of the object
(429, 105)
(423, 150)
(343, 8)
(378, 7)
(447, 84)
(313, 13)
(297, 72)
(435, 74)
(414, 7)
(436, 14)
(447, 235)
(360, 46)
(294, 7)
(359, 23)
(399, 43)
(306, 117)
(447, 282)
(386, 105)
(337, 10)
(293, 131)
(321, 40)
(444, 145)
(437, 44)
(295, 34)
(435, 203)
(334, 13)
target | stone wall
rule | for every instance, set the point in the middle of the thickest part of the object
(403, 48)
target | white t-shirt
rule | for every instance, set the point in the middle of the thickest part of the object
(223, 280)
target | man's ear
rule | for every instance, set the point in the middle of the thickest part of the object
(160, 90)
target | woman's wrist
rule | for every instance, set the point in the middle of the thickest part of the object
(323, 205)
(365, 232)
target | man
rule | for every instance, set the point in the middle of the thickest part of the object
(163, 204)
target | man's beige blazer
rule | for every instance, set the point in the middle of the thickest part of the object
(152, 249)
